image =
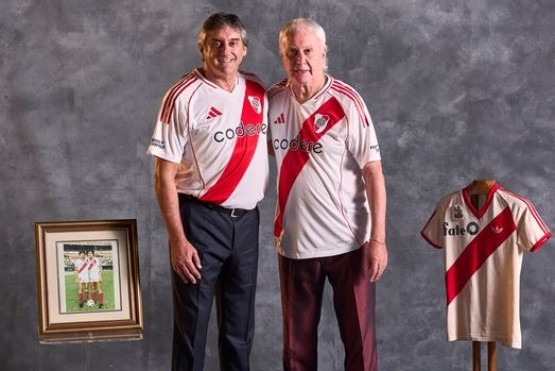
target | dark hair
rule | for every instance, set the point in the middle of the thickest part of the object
(220, 20)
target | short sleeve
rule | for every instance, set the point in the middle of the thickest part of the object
(169, 138)
(531, 229)
(362, 138)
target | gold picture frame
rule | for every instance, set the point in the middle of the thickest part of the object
(88, 281)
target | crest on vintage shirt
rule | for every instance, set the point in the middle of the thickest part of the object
(457, 212)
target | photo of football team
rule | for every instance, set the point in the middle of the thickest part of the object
(88, 273)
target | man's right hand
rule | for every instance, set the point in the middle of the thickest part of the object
(185, 262)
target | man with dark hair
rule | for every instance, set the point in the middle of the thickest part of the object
(211, 171)
(82, 278)
(95, 278)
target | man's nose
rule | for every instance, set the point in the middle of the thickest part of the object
(226, 48)
(300, 58)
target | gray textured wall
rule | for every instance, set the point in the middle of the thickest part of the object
(458, 90)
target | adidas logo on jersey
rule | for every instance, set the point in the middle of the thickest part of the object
(497, 229)
(213, 113)
(280, 119)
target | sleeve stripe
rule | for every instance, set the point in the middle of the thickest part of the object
(532, 209)
(351, 94)
(168, 104)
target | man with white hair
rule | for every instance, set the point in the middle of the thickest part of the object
(331, 207)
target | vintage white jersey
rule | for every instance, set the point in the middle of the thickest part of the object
(217, 137)
(320, 147)
(94, 269)
(82, 269)
(483, 250)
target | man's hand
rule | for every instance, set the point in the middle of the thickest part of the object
(184, 258)
(376, 258)
(185, 262)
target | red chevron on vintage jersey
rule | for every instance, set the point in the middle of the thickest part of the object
(483, 253)
(477, 252)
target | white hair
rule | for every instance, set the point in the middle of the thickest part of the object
(294, 25)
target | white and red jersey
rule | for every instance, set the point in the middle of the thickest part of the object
(484, 248)
(94, 269)
(217, 137)
(82, 269)
(320, 147)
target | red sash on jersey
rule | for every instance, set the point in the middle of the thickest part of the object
(294, 161)
(93, 263)
(477, 252)
(83, 266)
(244, 150)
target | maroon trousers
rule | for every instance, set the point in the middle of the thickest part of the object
(302, 286)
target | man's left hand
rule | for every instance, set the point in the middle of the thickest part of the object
(376, 258)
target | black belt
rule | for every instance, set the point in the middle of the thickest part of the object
(234, 213)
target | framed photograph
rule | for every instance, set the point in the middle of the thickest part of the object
(88, 280)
